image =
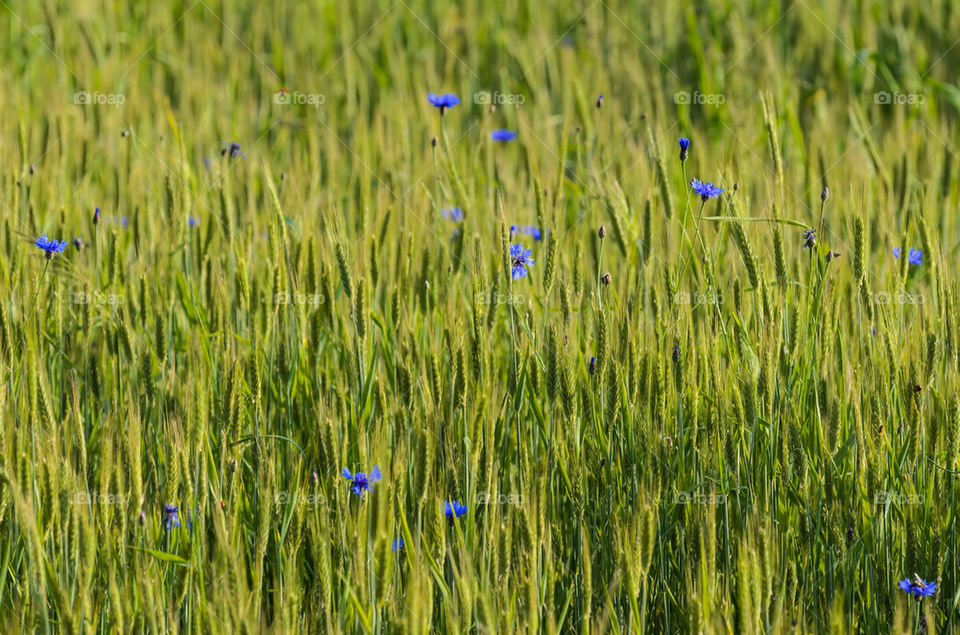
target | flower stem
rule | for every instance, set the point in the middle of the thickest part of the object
(599, 269)
(37, 293)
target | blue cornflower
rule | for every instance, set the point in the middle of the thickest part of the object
(592, 365)
(50, 246)
(96, 216)
(684, 147)
(170, 518)
(78, 242)
(448, 100)
(192, 222)
(397, 545)
(676, 354)
(361, 482)
(454, 214)
(234, 149)
(503, 135)
(705, 190)
(453, 509)
(522, 260)
(914, 257)
(917, 587)
(531, 230)
(190, 519)
(809, 238)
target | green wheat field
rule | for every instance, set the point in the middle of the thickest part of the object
(287, 248)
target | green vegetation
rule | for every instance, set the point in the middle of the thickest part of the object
(765, 440)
